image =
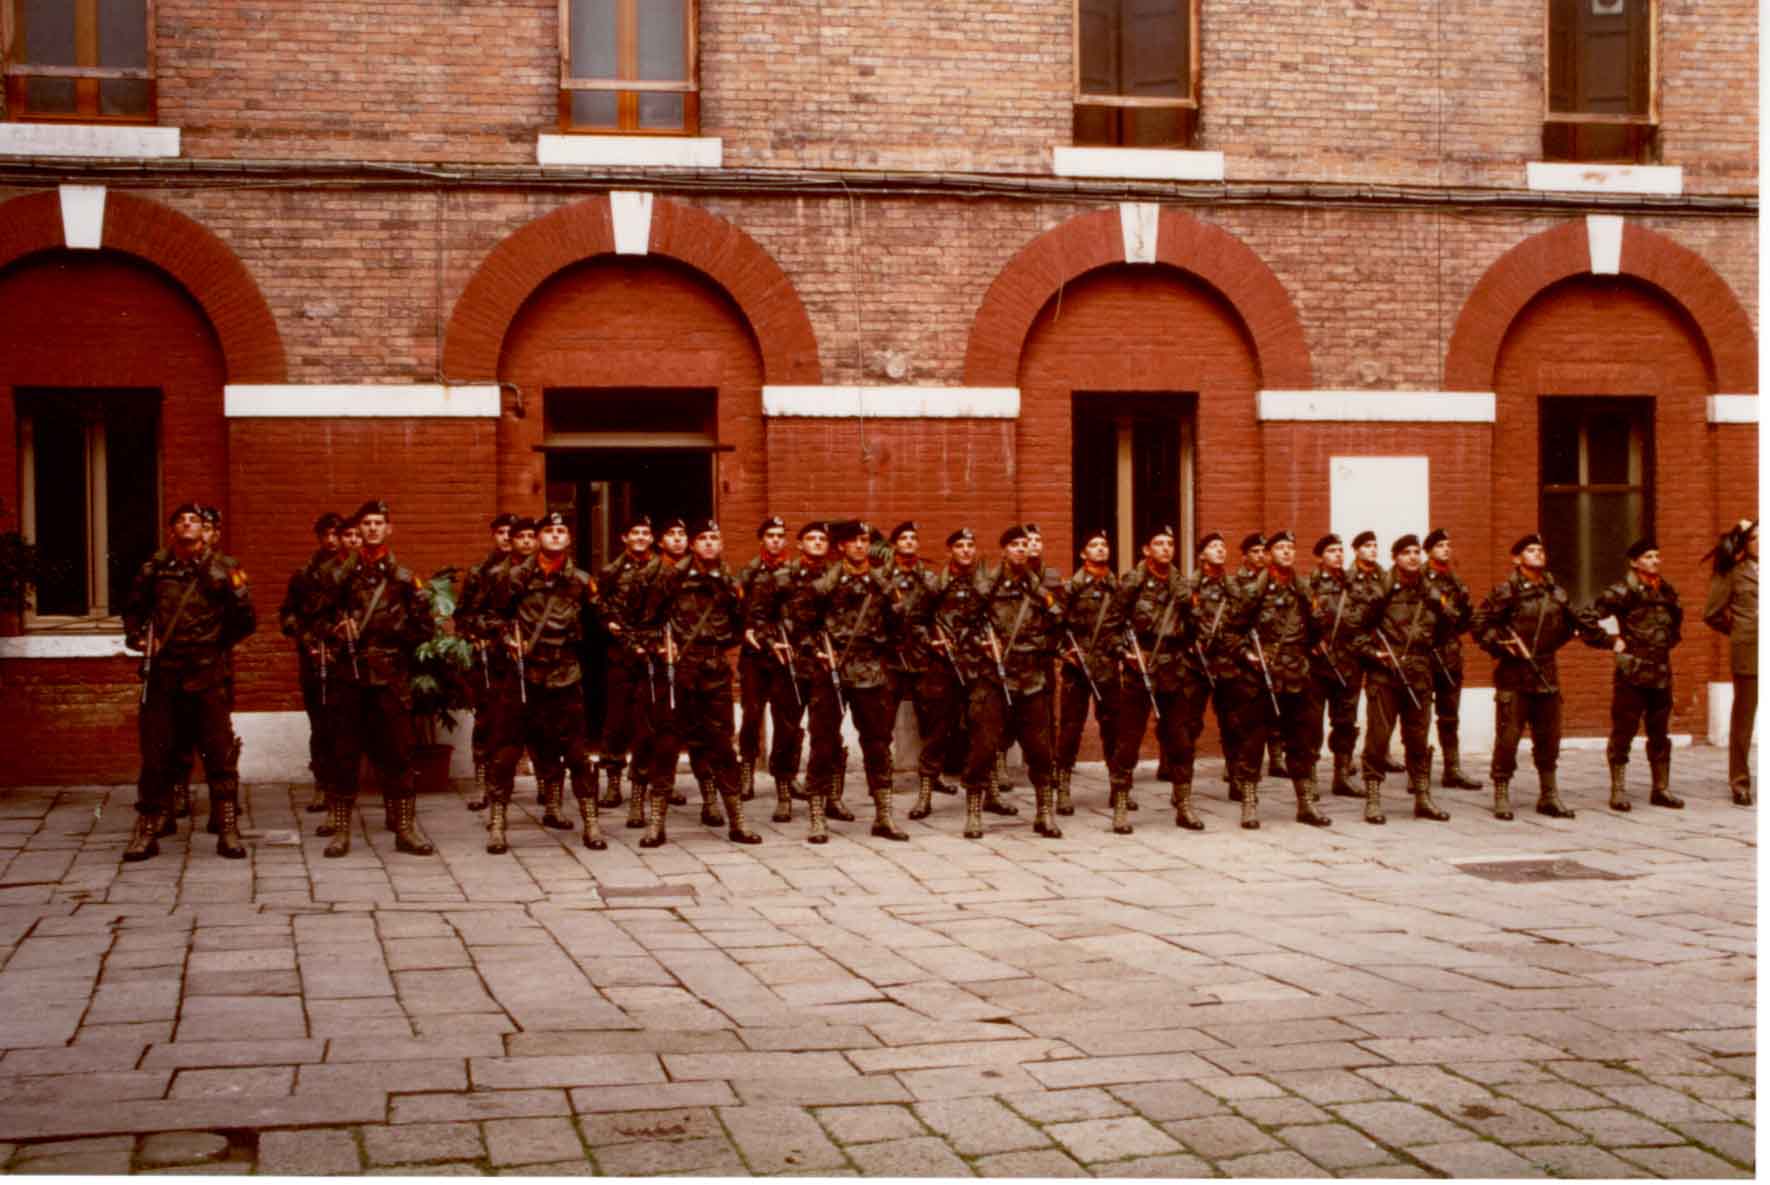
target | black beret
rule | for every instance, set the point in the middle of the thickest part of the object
(553, 518)
(1017, 531)
(772, 522)
(672, 524)
(1364, 537)
(638, 520)
(1097, 533)
(329, 521)
(1280, 536)
(1208, 538)
(1402, 543)
(1531, 540)
(963, 534)
(848, 530)
(1158, 529)
(184, 508)
(211, 514)
(816, 524)
(372, 506)
(1033, 529)
(1251, 541)
(706, 525)
(902, 528)
(1435, 537)
(1641, 547)
(502, 519)
(521, 523)
(1325, 542)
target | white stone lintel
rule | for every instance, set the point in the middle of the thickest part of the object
(1140, 223)
(63, 646)
(631, 212)
(1733, 409)
(130, 141)
(1604, 234)
(1409, 407)
(1143, 164)
(668, 152)
(947, 403)
(1560, 177)
(390, 401)
(82, 216)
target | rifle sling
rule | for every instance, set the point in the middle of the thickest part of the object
(178, 611)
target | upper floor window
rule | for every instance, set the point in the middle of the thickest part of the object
(1136, 77)
(85, 60)
(629, 66)
(1601, 101)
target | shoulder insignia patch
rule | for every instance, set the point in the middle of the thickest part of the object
(237, 577)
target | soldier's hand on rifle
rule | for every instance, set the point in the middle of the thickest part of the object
(1617, 644)
(1516, 646)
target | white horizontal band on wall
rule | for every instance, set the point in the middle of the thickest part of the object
(673, 152)
(1733, 409)
(1144, 164)
(1394, 407)
(88, 139)
(898, 403)
(1552, 176)
(64, 646)
(390, 401)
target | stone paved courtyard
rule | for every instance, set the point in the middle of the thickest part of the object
(1400, 1001)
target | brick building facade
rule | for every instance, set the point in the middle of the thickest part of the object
(349, 250)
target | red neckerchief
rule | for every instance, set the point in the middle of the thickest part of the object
(1650, 580)
(961, 571)
(814, 562)
(865, 567)
(1282, 575)
(1097, 571)
(549, 567)
(1213, 571)
(1438, 567)
(1403, 576)
(905, 563)
(705, 566)
(771, 561)
(1532, 577)
(1364, 567)
(1337, 574)
(1160, 571)
(373, 555)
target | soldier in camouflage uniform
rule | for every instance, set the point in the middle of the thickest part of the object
(1369, 583)
(1650, 622)
(784, 613)
(696, 609)
(1339, 676)
(1150, 626)
(473, 587)
(381, 613)
(758, 672)
(626, 725)
(938, 617)
(1447, 654)
(186, 611)
(1397, 652)
(1522, 623)
(672, 550)
(1269, 628)
(913, 659)
(1089, 670)
(302, 602)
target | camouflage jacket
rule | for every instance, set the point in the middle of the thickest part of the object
(217, 614)
(1158, 612)
(1406, 618)
(911, 589)
(473, 590)
(621, 587)
(1087, 603)
(859, 617)
(1540, 614)
(1650, 621)
(303, 613)
(1024, 617)
(1209, 603)
(791, 600)
(388, 626)
(1340, 609)
(547, 614)
(1274, 612)
(751, 579)
(703, 609)
(947, 612)
(1457, 610)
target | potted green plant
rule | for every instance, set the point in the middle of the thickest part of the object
(20, 568)
(441, 665)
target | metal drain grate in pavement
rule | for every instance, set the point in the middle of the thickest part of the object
(1524, 872)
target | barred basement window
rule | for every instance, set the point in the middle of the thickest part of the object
(89, 478)
(629, 66)
(1136, 73)
(1597, 495)
(1601, 81)
(84, 60)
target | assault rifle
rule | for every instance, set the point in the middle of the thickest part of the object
(670, 664)
(995, 650)
(147, 661)
(1265, 672)
(1389, 653)
(947, 645)
(1075, 648)
(1142, 669)
(835, 677)
(786, 660)
(1523, 652)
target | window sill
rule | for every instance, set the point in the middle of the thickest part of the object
(1146, 164)
(123, 141)
(1574, 177)
(668, 152)
(64, 645)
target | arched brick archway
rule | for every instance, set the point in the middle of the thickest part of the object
(1545, 259)
(182, 248)
(1096, 239)
(521, 263)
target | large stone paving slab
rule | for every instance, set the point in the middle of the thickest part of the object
(1288, 1002)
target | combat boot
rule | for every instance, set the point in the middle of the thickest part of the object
(317, 804)
(973, 812)
(1119, 790)
(1742, 795)
(1002, 784)
(884, 826)
(1619, 788)
(739, 831)
(992, 793)
(550, 816)
(478, 801)
(339, 810)
(1373, 801)
(1548, 800)
(710, 813)
(213, 827)
(636, 807)
(1424, 807)
(228, 843)
(657, 809)
(1250, 806)
(497, 823)
(1343, 786)
(1453, 777)
(1662, 783)
(1235, 791)
(837, 787)
(181, 800)
(144, 839)
(1502, 800)
(924, 798)
(1044, 799)
(590, 812)
(168, 826)
(747, 779)
(819, 832)
(1307, 811)
(783, 800)
(611, 796)
(389, 811)
(1275, 759)
(1064, 807)
(1183, 814)
(406, 836)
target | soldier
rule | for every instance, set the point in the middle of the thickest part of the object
(1339, 676)
(541, 606)
(1254, 559)
(473, 587)
(1397, 652)
(1150, 625)
(1447, 654)
(940, 616)
(1522, 623)
(696, 610)
(1369, 584)
(300, 615)
(381, 611)
(1732, 609)
(1052, 581)
(1650, 622)
(784, 614)
(187, 609)
(758, 670)
(672, 549)
(912, 657)
(1270, 630)
(1089, 674)
(185, 745)
(627, 722)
